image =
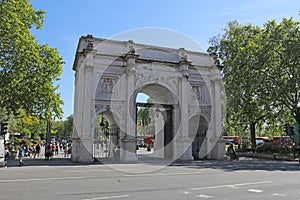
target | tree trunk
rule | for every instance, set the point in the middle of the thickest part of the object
(253, 135)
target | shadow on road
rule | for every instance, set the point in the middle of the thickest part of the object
(266, 165)
(243, 164)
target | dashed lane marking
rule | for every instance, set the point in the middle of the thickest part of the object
(88, 171)
(162, 174)
(40, 179)
(204, 196)
(279, 195)
(255, 190)
(110, 197)
(231, 186)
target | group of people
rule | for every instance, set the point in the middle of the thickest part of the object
(55, 147)
(31, 151)
(34, 150)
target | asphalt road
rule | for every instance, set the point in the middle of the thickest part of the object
(246, 179)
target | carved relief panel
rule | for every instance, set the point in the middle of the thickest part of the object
(199, 93)
(106, 88)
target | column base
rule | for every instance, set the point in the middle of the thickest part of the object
(128, 149)
(82, 150)
(218, 150)
(183, 149)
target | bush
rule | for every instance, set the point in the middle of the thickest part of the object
(273, 147)
(245, 147)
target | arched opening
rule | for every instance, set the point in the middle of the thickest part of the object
(198, 126)
(106, 136)
(154, 121)
(145, 124)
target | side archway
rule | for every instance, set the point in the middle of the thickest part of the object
(198, 126)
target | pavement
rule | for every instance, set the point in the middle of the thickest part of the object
(143, 157)
(40, 160)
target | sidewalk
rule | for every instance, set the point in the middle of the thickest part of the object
(56, 160)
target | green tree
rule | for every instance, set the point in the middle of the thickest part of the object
(63, 128)
(28, 71)
(282, 65)
(144, 114)
(239, 50)
(261, 72)
(68, 126)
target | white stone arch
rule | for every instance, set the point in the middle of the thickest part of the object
(173, 69)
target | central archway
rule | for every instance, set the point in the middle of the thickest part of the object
(156, 133)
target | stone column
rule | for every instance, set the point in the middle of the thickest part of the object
(159, 135)
(215, 142)
(82, 147)
(113, 139)
(129, 140)
(184, 141)
(218, 151)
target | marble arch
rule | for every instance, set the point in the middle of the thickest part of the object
(185, 86)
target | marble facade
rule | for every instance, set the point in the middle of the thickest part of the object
(184, 85)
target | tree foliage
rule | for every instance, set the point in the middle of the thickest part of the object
(261, 72)
(28, 70)
(282, 65)
(63, 128)
(144, 114)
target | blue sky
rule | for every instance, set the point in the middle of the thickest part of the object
(67, 20)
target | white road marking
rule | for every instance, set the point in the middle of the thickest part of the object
(205, 196)
(279, 195)
(111, 197)
(87, 171)
(232, 185)
(40, 179)
(163, 174)
(255, 190)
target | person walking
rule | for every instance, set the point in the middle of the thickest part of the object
(56, 148)
(6, 156)
(20, 155)
(66, 150)
(37, 149)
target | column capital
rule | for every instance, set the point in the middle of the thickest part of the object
(184, 67)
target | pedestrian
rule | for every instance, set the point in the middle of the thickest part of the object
(117, 153)
(38, 149)
(6, 156)
(231, 153)
(66, 150)
(33, 150)
(56, 149)
(20, 155)
(53, 149)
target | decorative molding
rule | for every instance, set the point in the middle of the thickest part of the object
(204, 111)
(171, 82)
(89, 68)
